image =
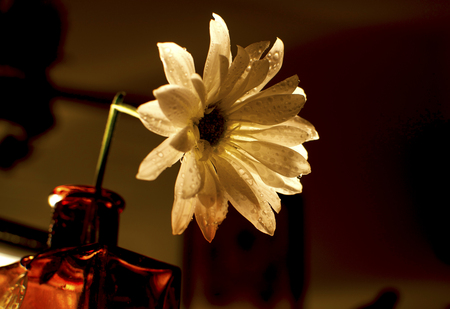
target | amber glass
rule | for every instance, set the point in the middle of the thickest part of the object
(92, 272)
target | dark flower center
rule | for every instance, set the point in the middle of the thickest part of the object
(212, 127)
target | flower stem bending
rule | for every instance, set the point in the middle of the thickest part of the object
(116, 106)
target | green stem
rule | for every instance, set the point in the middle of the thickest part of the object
(116, 106)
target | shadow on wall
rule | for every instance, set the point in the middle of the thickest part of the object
(243, 264)
(30, 36)
(379, 98)
(428, 146)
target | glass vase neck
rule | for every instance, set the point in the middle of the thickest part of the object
(83, 215)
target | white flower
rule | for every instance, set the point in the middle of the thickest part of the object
(236, 143)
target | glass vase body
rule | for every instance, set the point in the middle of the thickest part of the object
(83, 267)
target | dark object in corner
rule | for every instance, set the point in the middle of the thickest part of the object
(386, 299)
(30, 35)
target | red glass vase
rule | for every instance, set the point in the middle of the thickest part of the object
(84, 267)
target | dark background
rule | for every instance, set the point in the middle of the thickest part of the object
(374, 212)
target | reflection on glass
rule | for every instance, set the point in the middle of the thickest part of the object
(92, 272)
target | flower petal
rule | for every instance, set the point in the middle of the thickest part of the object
(275, 57)
(237, 68)
(184, 140)
(190, 177)
(280, 159)
(158, 160)
(187, 185)
(282, 135)
(304, 125)
(178, 64)
(287, 86)
(213, 94)
(212, 206)
(211, 188)
(255, 50)
(237, 182)
(284, 185)
(199, 87)
(301, 150)
(219, 45)
(182, 212)
(269, 177)
(270, 195)
(281, 184)
(256, 74)
(257, 68)
(270, 110)
(209, 218)
(291, 186)
(154, 119)
(265, 191)
(179, 104)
